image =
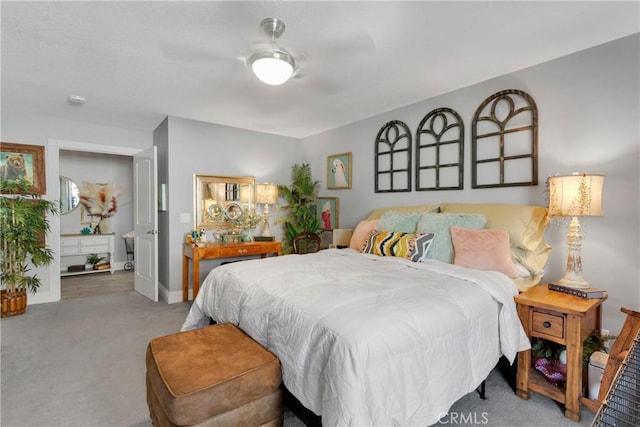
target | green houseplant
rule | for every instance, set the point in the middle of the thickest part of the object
(23, 228)
(94, 260)
(301, 209)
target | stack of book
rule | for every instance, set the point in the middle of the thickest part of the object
(588, 293)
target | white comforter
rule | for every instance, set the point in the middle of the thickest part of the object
(366, 340)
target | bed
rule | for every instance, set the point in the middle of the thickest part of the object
(368, 339)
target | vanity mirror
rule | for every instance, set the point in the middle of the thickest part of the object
(218, 198)
(69, 195)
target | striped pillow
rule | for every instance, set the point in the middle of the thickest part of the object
(396, 243)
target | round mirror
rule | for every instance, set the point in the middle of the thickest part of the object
(69, 195)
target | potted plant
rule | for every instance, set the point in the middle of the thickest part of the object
(550, 358)
(301, 210)
(94, 260)
(23, 228)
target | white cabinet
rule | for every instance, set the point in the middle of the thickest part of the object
(87, 244)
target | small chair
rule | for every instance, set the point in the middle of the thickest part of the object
(306, 243)
(617, 354)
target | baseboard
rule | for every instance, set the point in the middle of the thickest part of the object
(172, 297)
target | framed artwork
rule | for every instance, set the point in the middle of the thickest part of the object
(21, 161)
(327, 212)
(339, 171)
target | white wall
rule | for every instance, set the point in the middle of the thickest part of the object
(588, 121)
(38, 129)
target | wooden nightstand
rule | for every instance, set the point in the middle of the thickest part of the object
(564, 319)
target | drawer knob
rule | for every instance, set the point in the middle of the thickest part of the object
(546, 324)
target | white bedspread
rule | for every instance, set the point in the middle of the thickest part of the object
(366, 340)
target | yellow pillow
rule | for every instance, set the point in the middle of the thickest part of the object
(377, 213)
(526, 224)
(398, 244)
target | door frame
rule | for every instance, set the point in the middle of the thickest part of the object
(53, 188)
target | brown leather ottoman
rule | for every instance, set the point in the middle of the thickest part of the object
(214, 376)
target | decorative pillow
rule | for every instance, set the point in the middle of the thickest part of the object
(398, 244)
(439, 224)
(421, 247)
(377, 213)
(486, 249)
(361, 233)
(395, 221)
(526, 224)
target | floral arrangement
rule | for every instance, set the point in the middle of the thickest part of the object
(247, 220)
(100, 200)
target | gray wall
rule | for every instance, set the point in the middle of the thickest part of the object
(161, 141)
(196, 147)
(588, 122)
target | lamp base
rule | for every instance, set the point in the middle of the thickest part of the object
(573, 273)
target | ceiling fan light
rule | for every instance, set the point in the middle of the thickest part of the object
(272, 68)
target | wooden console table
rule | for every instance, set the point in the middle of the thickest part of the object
(219, 250)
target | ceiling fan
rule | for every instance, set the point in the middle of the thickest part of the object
(272, 65)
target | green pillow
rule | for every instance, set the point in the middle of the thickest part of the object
(396, 221)
(440, 225)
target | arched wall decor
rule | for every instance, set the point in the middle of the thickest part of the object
(393, 158)
(504, 141)
(440, 151)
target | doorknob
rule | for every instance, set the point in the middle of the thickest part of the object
(153, 232)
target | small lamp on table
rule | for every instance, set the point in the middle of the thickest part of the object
(266, 194)
(574, 196)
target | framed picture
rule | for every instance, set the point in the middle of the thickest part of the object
(339, 171)
(327, 212)
(21, 161)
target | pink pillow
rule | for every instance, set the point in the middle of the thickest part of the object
(484, 249)
(361, 233)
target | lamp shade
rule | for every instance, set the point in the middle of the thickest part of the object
(576, 195)
(266, 193)
(272, 67)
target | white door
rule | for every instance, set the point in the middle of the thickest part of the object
(145, 218)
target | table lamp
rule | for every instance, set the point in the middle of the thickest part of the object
(575, 196)
(266, 194)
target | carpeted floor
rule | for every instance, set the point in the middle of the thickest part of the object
(80, 362)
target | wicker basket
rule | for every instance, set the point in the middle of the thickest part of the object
(13, 303)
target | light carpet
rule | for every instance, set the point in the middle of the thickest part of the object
(81, 362)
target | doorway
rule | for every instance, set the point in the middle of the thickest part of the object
(89, 150)
(81, 167)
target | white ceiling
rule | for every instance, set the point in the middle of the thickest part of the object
(137, 62)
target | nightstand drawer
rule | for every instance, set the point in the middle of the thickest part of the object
(548, 324)
(240, 251)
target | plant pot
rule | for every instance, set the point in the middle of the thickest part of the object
(13, 303)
